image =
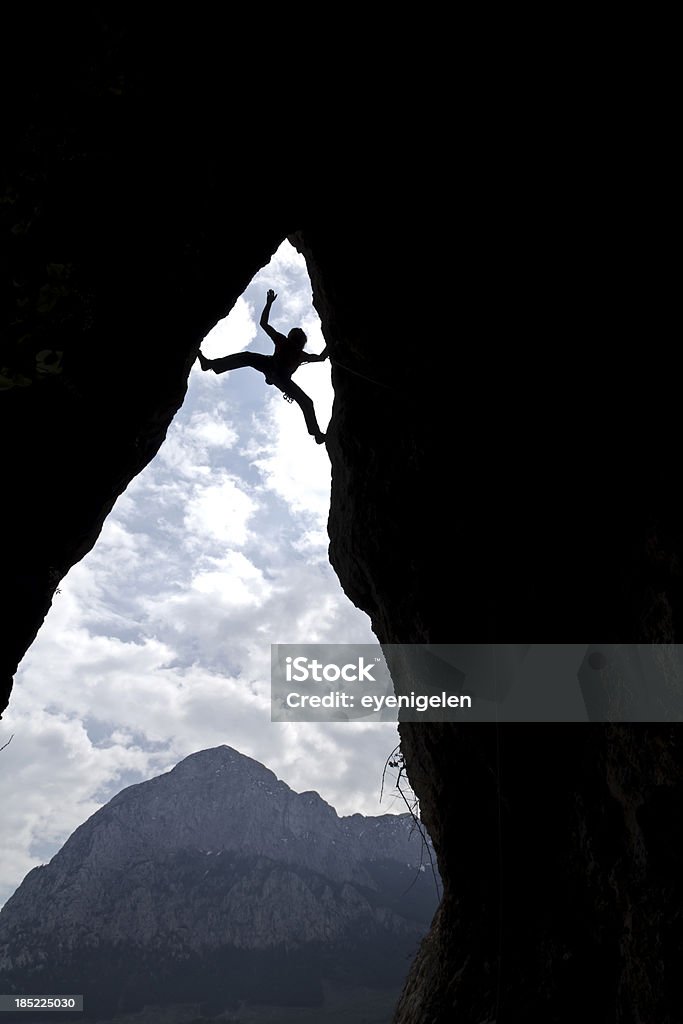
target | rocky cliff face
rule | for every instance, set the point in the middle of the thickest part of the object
(556, 843)
(477, 332)
(219, 863)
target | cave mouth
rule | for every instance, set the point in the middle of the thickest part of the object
(157, 643)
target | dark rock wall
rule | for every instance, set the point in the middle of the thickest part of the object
(522, 481)
(504, 444)
(133, 216)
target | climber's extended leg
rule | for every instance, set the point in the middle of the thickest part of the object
(306, 405)
(233, 362)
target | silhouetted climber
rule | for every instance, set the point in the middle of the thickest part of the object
(278, 368)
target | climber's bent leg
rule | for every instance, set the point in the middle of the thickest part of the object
(254, 359)
(306, 405)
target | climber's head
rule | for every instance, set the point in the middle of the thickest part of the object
(297, 338)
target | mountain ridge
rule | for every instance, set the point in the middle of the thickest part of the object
(216, 863)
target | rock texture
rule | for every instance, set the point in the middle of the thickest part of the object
(504, 332)
(218, 865)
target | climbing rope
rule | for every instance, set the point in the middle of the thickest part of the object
(379, 383)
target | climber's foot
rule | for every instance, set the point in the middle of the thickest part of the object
(319, 438)
(203, 361)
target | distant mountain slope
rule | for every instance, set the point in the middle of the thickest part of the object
(216, 886)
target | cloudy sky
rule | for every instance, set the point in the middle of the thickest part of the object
(159, 643)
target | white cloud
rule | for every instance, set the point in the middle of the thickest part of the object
(220, 511)
(210, 432)
(232, 334)
(182, 457)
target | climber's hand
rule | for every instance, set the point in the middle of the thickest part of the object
(270, 295)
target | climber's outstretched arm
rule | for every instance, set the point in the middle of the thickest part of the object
(316, 359)
(274, 335)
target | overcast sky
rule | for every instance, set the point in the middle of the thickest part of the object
(159, 643)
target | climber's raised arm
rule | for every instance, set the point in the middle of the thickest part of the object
(274, 335)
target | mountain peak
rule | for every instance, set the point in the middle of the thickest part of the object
(222, 754)
(226, 761)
